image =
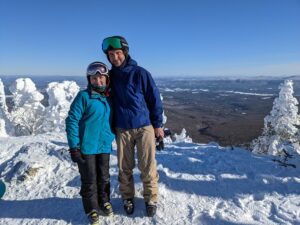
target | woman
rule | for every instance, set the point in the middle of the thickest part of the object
(90, 140)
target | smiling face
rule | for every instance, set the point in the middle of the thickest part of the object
(98, 79)
(116, 57)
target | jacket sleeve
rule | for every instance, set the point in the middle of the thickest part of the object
(72, 121)
(152, 97)
(111, 116)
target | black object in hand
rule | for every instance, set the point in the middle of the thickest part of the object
(160, 143)
(167, 132)
(76, 155)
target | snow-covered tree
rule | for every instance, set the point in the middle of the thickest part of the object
(3, 108)
(182, 137)
(61, 95)
(5, 125)
(3, 105)
(280, 133)
(164, 115)
(2, 128)
(28, 113)
(167, 138)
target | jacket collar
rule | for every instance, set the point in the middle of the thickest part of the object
(94, 94)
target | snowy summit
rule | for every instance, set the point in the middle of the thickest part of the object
(199, 183)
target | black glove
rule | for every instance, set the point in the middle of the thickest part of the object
(76, 155)
(160, 143)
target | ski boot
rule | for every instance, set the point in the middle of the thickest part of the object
(93, 217)
(129, 206)
(151, 208)
(107, 209)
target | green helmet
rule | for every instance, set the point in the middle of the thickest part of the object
(113, 43)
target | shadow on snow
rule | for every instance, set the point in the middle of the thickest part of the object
(50, 208)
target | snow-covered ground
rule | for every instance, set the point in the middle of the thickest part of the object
(199, 184)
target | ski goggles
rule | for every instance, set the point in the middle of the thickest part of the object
(97, 68)
(113, 42)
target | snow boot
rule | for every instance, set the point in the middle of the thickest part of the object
(93, 217)
(129, 206)
(107, 209)
(151, 208)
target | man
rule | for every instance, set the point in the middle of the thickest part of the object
(138, 119)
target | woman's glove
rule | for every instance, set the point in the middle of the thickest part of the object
(76, 155)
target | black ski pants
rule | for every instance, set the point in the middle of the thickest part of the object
(95, 181)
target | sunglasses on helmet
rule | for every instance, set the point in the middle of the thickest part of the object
(113, 42)
(97, 68)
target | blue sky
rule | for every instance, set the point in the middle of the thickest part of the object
(168, 38)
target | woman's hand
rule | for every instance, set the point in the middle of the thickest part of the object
(76, 155)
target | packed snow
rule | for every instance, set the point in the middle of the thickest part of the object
(199, 183)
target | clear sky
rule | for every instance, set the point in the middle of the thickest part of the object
(167, 37)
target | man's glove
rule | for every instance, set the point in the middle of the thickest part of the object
(76, 155)
(159, 143)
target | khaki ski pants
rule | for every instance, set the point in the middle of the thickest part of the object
(144, 140)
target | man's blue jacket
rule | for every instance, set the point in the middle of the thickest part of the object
(88, 123)
(136, 98)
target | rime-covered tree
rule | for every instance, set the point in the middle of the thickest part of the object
(164, 115)
(28, 113)
(4, 122)
(3, 105)
(280, 133)
(61, 95)
(182, 137)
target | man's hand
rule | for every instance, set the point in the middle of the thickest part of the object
(159, 132)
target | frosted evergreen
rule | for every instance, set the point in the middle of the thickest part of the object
(280, 131)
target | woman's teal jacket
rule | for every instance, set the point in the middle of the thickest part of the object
(88, 123)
